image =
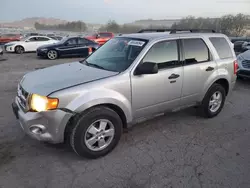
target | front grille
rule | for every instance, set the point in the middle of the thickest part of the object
(246, 64)
(22, 97)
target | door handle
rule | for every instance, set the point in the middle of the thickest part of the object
(173, 76)
(210, 69)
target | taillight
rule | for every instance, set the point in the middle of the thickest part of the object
(235, 66)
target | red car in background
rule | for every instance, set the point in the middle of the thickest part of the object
(101, 37)
(5, 38)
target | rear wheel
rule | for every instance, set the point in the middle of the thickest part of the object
(19, 49)
(52, 54)
(96, 132)
(214, 100)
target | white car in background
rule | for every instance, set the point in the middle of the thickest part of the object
(28, 44)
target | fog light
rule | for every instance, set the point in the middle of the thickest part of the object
(37, 129)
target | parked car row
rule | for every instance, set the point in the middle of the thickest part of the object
(53, 47)
(241, 44)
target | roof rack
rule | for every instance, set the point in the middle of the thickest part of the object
(172, 31)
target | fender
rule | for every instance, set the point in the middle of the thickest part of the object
(223, 74)
(101, 96)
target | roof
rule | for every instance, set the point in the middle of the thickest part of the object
(159, 35)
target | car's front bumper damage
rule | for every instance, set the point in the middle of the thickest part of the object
(48, 126)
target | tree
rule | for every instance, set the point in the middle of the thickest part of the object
(234, 25)
(77, 26)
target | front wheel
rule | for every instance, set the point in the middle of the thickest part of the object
(19, 49)
(96, 132)
(52, 54)
(213, 102)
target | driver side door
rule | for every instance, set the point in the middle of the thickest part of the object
(69, 48)
(156, 93)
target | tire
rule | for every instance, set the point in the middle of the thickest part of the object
(86, 141)
(19, 49)
(52, 54)
(206, 108)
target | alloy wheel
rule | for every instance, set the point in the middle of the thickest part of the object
(99, 135)
(52, 54)
(215, 101)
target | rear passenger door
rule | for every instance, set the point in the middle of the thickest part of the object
(198, 68)
(83, 47)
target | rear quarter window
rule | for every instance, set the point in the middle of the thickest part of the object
(222, 47)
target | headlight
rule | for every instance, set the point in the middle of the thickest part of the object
(41, 103)
(8, 45)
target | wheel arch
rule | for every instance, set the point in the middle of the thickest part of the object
(222, 81)
(76, 116)
(19, 45)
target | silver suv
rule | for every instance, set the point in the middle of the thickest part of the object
(130, 78)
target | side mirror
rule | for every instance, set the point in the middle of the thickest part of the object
(147, 68)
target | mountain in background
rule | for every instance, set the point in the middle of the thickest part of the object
(30, 22)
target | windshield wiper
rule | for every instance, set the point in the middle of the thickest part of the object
(94, 65)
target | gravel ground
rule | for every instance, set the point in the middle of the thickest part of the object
(176, 150)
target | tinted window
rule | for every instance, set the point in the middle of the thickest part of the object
(222, 47)
(105, 35)
(42, 39)
(33, 39)
(82, 41)
(195, 51)
(165, 54)
(72, 41)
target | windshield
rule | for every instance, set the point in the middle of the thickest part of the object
(117, 54)
(24, 38)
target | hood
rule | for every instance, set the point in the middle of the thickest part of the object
(245, 55)
(48, 80)
(12, 43)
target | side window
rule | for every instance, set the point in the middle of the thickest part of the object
(33, 39)
(82, 41)
(42, 39)
(165, 54)
(104, 35)
(222, 47)
(72, 41)
(195, 51)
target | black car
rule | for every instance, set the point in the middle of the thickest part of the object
(69, 46)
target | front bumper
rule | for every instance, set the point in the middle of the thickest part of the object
(41, 53)
(243, 73)
(9, 48)
(48, 126)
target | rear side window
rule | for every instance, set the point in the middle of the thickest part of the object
(195, 51)
(222, 47)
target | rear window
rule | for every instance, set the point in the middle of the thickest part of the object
(105, 35)
(222, 47)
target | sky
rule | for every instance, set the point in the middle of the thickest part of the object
(123, 11)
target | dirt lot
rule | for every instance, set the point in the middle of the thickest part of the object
(177, 150)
